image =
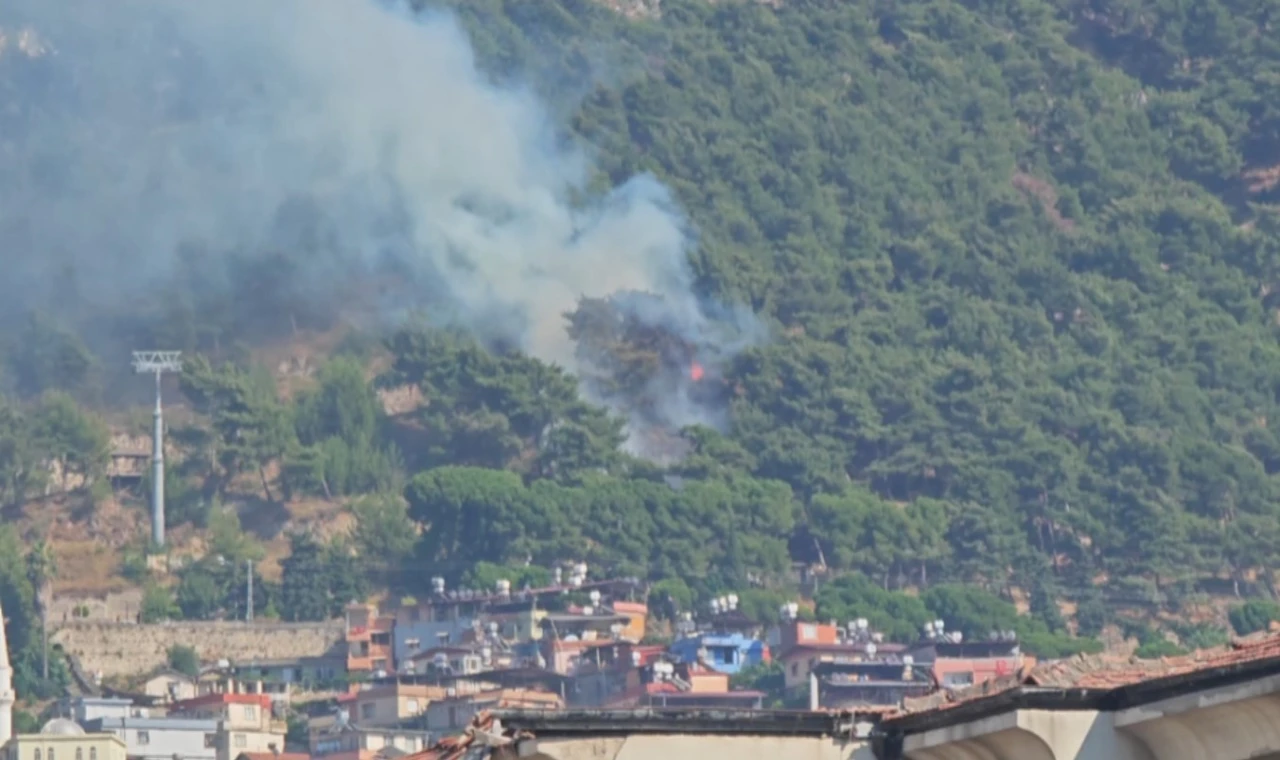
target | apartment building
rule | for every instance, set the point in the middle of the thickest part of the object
(245, 722)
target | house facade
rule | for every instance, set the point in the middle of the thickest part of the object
(162, 738)
(728, 653)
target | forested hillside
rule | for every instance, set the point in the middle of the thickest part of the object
(1017, 263)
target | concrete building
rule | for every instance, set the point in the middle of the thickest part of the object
(1222, 704)
(85, 709)
(245, 722)
(728, 653)
(281, 676)
(852, 685)
(340, 740)
(449, 617)
(273, 756)
(7, 697)
(170, 686)
(64, 739)
(660, 734)
(390, 703)
(369, 638)
(971, 663)
(453, 714)
(147, 738)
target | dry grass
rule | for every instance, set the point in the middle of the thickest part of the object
(86, 568)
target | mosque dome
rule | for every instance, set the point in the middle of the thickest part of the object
(62, 727)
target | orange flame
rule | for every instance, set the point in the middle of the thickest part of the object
(695, 372)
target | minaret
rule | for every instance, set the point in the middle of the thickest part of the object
(6, 688)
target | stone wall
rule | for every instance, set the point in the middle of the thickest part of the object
(116, 649)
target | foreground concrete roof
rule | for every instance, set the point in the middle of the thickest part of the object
(1089, 706)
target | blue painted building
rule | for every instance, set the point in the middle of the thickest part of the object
(724, 652)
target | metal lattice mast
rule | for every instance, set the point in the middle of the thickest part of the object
(157, 363)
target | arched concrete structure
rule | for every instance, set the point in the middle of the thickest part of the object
(695, 747)
(1224, 719)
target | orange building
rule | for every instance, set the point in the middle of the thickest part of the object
(637, 618)
(369, 640)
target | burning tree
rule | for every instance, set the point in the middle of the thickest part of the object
(636, 355)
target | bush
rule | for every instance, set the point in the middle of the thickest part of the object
(1253, 616)
(184, 659)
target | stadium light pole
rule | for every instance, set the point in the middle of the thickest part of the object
(157, 363)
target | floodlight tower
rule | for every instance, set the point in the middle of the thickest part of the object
(157, 363)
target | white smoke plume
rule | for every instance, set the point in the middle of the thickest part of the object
(142, 131)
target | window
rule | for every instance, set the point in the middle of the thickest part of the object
(210, 741)
(250, 712)
(380, 664)
(144, 737)
(958, 679)
(50, 753)
(79, 754)
(366, 711)
(240, 740)
(37, 753)
(93, 753)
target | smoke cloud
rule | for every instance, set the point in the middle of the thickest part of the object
(146, 141)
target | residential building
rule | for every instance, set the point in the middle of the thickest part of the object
(281, 676)
(565, 657)
(147, 738)
(388, 704)
(689, 685)
(85, 709)
(850, 685)
(64, 739)
(245, 722)
(802, 645)
(728, 653)
(637, 615)
(608, 672)
(170, 686)
(336, 738)
(369, 638)
(957, 664)
(273, 756)
(448, 617)
(452, 714)
(586, 624)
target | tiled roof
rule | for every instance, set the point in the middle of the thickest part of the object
(1103, 672)
(273, 756)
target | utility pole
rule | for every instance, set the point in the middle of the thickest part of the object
(157, 363)
(248, 615)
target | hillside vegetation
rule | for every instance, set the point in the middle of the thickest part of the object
(1019, 263)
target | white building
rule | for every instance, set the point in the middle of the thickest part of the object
(6, 688)
(162, 738)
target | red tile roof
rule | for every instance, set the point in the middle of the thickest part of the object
(1104, 672)
(273, 756)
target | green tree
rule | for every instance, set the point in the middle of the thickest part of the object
(1254, 615)
(157, 605)
(184, 659)
(304, 594)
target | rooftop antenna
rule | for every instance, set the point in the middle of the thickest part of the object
(157, 363)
